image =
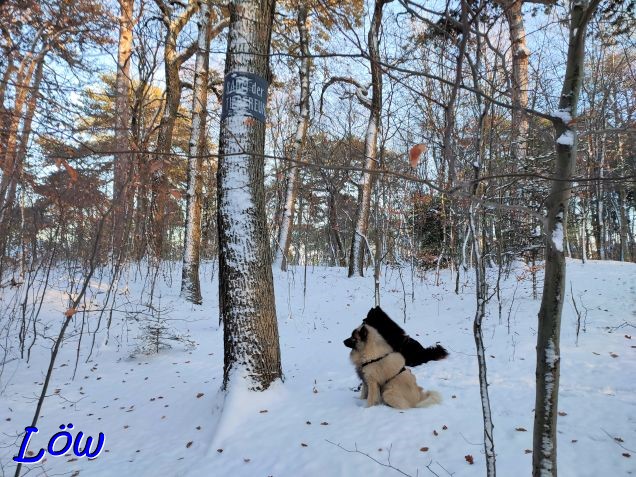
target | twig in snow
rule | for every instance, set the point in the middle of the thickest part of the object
(578, 314)
(618, 443)
(356, 451)
(388, 464)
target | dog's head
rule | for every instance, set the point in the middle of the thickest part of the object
(358, 338)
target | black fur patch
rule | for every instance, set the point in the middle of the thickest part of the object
(414, 353)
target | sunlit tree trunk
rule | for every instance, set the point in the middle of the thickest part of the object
(246, 291)
(173, 59)
(359, 240)
(190, 286)
(287, 214)
(519, 80)
(30, 66)
(544, 456)
(123, 158)
(25, 136)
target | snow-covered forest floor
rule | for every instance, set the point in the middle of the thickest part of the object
(163, 415)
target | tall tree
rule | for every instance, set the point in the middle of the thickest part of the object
(304, 73)
(544, 456)
(36, 32)
(174, 23)
(190, 284)
(359, 240)
(246, 290)
(123, 157)
(519, 77)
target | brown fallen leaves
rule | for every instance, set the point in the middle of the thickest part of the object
(469, 459)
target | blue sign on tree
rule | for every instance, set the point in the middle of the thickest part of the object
(244, 94)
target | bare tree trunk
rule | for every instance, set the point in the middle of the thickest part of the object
(172, 63)
(23, 82)
(123, 158)
(5, 113)
(600, 190)
(477, 228)
(624, 223)
(361, 226)
(27, 82)
(190, 286)
(246, 290)
(519, 80)
(340, 256)
(304, 72)
(25, 135)
(544, 456)
(160, 192)
(448, 151)
(481, 293)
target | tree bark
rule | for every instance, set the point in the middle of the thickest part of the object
(172, 64)
(338, 251)
(544, 456)
(24, 138)
(304, 72)
(190, 285)
(30, 66)
(246, 291)
(23, 81)
(361, 224)
(519, 79)
(123, 158)
(448, 151)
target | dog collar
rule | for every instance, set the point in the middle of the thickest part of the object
(374, 360)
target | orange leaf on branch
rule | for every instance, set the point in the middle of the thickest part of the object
(70, 171)
(70, 312)
(415, 153)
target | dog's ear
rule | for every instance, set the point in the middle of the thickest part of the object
(375, 311)
(364, 333)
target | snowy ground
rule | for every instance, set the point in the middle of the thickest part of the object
(161, 414)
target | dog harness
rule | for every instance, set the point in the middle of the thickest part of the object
(398, 373)
(374, 360)
(379, 359)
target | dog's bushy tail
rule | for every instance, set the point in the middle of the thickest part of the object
(434, 353)
(415, 354)
(429, 398)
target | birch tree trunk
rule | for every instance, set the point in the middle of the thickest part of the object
(123, 158)
(304, 72)
(339, 253)
(519, 93)
(481, 294)
(190, 285)
(361, 228)
(544, 456)
(246, 291)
